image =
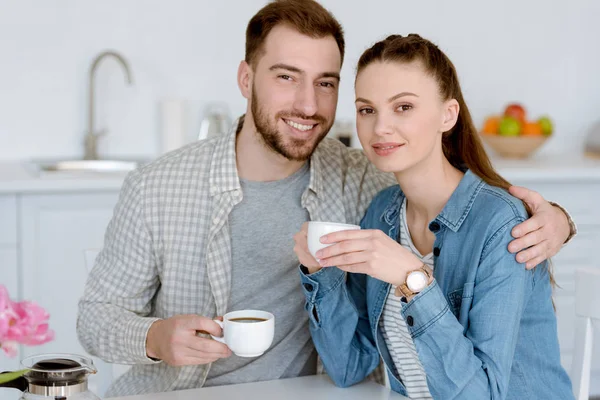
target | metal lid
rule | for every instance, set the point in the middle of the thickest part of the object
(57, 374)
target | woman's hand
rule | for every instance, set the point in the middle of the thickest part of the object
(301, 250)
(368, 251)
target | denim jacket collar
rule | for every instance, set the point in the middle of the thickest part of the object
(455, 211)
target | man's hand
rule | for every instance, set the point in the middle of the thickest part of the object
(175, 341)
(543, 234)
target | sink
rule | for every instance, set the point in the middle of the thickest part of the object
(103, 166)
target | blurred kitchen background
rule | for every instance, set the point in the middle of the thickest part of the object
(183, 57)
(541, 53)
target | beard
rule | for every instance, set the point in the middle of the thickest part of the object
(293, 149)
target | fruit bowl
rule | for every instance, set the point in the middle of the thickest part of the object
(514, 146)
(513, 135)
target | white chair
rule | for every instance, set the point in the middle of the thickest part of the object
(114, 370)
(587, 310)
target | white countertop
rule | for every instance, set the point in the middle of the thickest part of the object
(24, 177)
(554, 168)
(317, 387)
(16, 177)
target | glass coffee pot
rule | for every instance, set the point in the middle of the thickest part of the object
(55, 377)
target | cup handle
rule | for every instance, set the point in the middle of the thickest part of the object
(219, 339)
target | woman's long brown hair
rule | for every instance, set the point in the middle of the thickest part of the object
(461, 145)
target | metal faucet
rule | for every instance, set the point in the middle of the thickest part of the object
(91, 137)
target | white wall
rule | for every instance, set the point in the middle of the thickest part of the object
(542, 53)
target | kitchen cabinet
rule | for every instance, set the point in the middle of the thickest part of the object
(9, 278)
(9, 273)
(55, 232)
(8, 220)
(47, 222)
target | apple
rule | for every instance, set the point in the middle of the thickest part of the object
(509, 126)
(516, 111)
(546, 125)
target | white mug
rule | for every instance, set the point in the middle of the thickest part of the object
(316, 229)
(248, 333)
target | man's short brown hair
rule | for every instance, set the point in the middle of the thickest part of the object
(306, 16)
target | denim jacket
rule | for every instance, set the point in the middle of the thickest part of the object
(484, 329)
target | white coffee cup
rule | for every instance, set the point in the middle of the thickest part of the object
(248, 333)
(316, 229)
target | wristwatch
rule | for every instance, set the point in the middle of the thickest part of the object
(416, 281)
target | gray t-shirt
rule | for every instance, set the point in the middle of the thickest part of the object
(265, 277)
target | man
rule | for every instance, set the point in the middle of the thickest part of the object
(209, 228)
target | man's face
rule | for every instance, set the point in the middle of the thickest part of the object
(294, 91)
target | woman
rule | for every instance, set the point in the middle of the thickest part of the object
(431, 287)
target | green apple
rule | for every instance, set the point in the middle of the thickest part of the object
(509, 126)
(546, 125)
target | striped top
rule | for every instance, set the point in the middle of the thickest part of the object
(397, 338)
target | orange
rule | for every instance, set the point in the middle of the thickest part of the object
(491, 125)
(532, 129)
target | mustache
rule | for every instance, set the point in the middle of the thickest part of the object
(290, 114)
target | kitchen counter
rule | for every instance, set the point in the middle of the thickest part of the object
(316, 387)
(24, 177)
(550, 168)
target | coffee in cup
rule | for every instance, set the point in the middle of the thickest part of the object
(248, 320)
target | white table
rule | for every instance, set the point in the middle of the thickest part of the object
(317, 387)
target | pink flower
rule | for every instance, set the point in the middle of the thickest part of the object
(9, 348)
(31, 324)
(22, 322)
(7, 313)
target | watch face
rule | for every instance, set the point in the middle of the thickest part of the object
(416, 281)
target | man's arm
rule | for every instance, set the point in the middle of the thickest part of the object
(113, 320)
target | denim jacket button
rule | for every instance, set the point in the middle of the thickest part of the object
(434, 226)
(436, 251)
(410, 321)
(308, 287)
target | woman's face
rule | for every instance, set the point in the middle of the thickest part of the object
(400, 115)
